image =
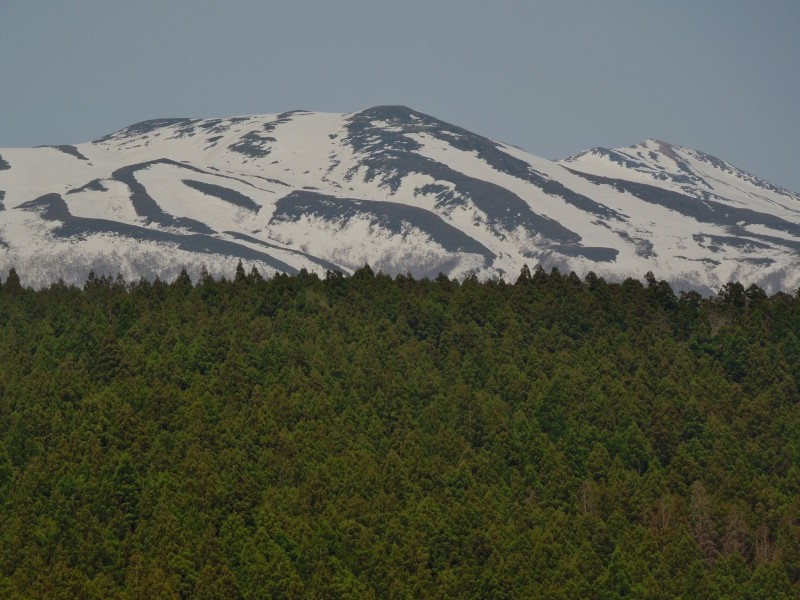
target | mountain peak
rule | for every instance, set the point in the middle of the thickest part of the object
(389, 186)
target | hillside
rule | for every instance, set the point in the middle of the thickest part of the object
(388, 186)
(368, 437)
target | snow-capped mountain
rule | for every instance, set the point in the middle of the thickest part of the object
(387, 186)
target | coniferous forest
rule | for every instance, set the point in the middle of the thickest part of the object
(377, 437)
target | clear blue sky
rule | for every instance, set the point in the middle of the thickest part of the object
(552, 76)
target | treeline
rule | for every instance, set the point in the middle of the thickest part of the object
(377, 437)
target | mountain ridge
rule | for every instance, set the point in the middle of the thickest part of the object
(389, 186)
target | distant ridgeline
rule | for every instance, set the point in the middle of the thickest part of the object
(377, 437)
(390, 186)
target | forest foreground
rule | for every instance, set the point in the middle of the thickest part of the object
(370, 437)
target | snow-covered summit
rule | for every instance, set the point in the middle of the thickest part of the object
(683, 169)
(389, 186)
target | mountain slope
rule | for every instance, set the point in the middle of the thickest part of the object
(390, 186)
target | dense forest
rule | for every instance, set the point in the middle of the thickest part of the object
(378, 437)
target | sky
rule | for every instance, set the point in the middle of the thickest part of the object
(552, 76)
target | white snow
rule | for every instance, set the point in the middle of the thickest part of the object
(310, 152)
